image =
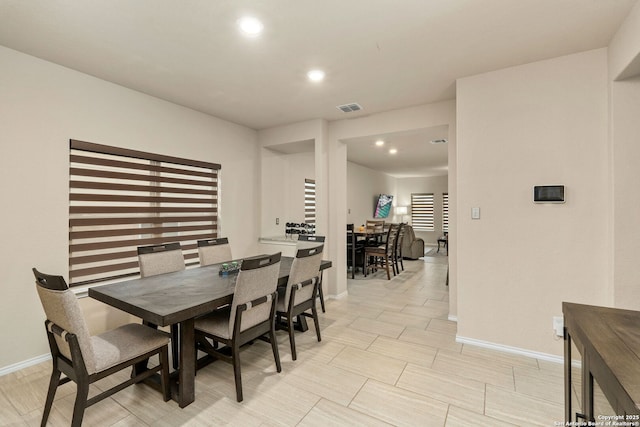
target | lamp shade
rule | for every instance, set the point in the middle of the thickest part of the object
(401, 210)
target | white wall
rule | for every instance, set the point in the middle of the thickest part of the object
(364, 185)
(540, 123)
(438, 185)
(42, 106)
(283, 185)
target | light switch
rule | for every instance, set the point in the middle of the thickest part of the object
(475, 213)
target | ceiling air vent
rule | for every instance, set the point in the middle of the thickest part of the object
(438, 141)
(348, 108)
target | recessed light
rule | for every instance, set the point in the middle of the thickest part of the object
(316, 75)
(393, 151)
(379, 143)
(250, 26)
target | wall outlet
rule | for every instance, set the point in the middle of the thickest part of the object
(558, 325)
(277, 221)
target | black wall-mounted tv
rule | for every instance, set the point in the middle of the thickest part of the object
(383, 206)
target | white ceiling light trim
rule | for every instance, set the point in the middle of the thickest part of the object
(393, 151)
(250, 26)
(379, 143)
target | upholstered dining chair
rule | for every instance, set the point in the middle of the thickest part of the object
(382, 255)
(162, 259)
(85, 359)
(300, 294)
(214, 251)
(250, 316)
(319, 239)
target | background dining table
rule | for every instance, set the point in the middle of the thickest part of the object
(178, 298)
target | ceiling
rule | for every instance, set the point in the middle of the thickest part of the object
(381, 54)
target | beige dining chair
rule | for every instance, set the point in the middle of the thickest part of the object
(214, 251)
(85, 359)
(308, 238)
(250, 316)
(162, 259)
(300, 293)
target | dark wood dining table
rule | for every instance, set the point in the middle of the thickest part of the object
(178, 298)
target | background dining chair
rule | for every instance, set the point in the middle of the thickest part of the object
(397, 252)
(251, 315)
(86, 359)
(214, 251)
(355, 250)
(382, 256)
(300, 293)
(162, 259)
(318, 239)
(374, 230)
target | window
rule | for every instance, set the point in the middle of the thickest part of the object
(120, 199)
(310, 202)
(445, 212)
(422, 211)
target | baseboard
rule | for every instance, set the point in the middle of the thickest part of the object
(513, 350)
(339, 296)
(24, 364)
(452, 318)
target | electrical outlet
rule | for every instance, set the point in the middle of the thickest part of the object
(558, 325)
(277, 221)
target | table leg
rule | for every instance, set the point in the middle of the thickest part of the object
(567, 377)
(587, 388)
(187, 372)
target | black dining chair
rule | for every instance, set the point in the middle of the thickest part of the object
(85, 359)
(355, 251)
(382, 256)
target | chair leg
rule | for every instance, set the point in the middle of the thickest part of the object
(235, 357)
(81, 402)
(314, 312)
(53, 387)
(386, 265)
(321, 294)
(292, 339)
(164, 374)
(274, 348)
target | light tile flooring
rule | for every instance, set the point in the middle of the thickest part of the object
(388, 356)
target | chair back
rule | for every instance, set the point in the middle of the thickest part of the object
(214, 251)
(305, 266)
(400, 239)
(392, 236)
(257, 277)
(160, 259)
(311, 238)
(375, 226)
(61, 307)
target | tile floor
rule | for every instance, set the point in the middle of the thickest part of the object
(388, 356)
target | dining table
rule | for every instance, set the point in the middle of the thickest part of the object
(179, 298)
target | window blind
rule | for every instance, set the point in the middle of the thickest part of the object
(422, 211)
(445, 212)
(120, 199)
(310, 202)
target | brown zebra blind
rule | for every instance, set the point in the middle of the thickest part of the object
(120, 199)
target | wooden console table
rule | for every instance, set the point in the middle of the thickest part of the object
(609, 341)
